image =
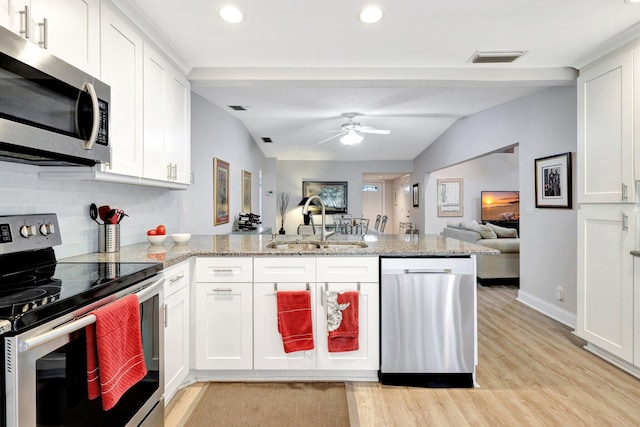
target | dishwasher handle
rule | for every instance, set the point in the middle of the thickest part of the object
(428, 271)
(418, 271)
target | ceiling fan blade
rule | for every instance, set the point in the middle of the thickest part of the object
(332, 137)
(376, 131)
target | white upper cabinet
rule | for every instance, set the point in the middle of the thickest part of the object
(605, 131)
(166, 120)
(69, 29)
(121, 54)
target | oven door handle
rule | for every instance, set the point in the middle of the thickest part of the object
(75, 325)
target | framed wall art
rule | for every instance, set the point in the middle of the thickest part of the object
(246, 191)
(332, 193)
(553, 181)
(416, 195)
(220, 192)
(450, 197)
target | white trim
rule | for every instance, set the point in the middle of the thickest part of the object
(614, 360)
(557, 313)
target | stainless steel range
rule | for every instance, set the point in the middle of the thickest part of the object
(45, 306)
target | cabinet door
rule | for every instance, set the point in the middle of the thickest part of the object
(177, 135)
(155, 75)
(72, 31)
(368, 355)
(176, 341)
(605, 131)
(121, 54)
(224, 322)
(636, 316)
(605, 279)
(12, 14)
(268, 349)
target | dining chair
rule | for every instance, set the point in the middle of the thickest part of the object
(383, 223)
(377, 224)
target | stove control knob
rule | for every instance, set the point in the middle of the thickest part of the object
(28, 231)
(46, 229)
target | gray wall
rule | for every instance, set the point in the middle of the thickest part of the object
(216, 133)
(493, 172)
(543, 124)
(290, 175)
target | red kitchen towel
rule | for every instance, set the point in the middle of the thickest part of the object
(345, 337)
(115, 359)
(294, 320)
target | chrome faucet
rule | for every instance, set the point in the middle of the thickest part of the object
(305, 211)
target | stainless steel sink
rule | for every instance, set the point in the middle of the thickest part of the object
(306, 246)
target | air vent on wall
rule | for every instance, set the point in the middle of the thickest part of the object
(237, 107)
(267, 140)
(495, 56)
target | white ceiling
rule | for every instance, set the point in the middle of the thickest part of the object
(299, 65)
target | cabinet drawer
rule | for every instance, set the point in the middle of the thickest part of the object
(176, 277)
(224, 269)
(347, 269)
(284, 269)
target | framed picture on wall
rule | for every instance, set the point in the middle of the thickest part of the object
(450, 197)
(220, 192)
(332, 193)
(553, 181)
(416, 195)
(246, 191)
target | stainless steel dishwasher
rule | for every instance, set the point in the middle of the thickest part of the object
(428, 322)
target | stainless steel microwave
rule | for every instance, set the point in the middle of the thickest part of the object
(51, 113)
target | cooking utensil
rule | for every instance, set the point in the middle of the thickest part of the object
(111, 217)
(121, 215)
(93, 212)
(102, 211)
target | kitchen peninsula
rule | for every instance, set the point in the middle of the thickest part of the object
(221, 317)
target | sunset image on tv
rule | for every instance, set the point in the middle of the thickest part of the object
(500, 206)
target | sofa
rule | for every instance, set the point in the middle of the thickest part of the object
(491, 269)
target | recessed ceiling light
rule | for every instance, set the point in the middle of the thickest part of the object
(371, 14)
(231, 14)
(632, 1)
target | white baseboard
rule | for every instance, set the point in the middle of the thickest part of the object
(614, 360)
(557, 313)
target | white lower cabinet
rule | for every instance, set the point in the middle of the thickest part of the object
(176, 327)
(606, 236)
(272, 275)
(236, 317)
(342, 274)
(224, 313)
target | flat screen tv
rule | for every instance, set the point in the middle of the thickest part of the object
(500, 206)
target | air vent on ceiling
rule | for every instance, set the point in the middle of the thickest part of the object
(237, 107)
(495, 56)
(267, 140)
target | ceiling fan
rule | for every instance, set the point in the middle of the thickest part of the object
(350, 131)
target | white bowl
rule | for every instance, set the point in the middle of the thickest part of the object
(181, 237)
(156, 239)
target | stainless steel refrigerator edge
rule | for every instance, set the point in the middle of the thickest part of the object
(428, 321)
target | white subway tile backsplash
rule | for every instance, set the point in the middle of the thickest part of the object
(22, 192)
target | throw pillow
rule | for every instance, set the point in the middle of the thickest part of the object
(502, 232)
(453, 224)
(485, 231)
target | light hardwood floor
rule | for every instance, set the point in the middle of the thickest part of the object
(532, 371)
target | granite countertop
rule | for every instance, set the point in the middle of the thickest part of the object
(170, 253)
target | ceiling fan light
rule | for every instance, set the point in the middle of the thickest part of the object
(371, 14)
(351, 138)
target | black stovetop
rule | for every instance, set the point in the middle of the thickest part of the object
(34, 288)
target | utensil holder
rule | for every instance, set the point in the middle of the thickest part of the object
(109, 238)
